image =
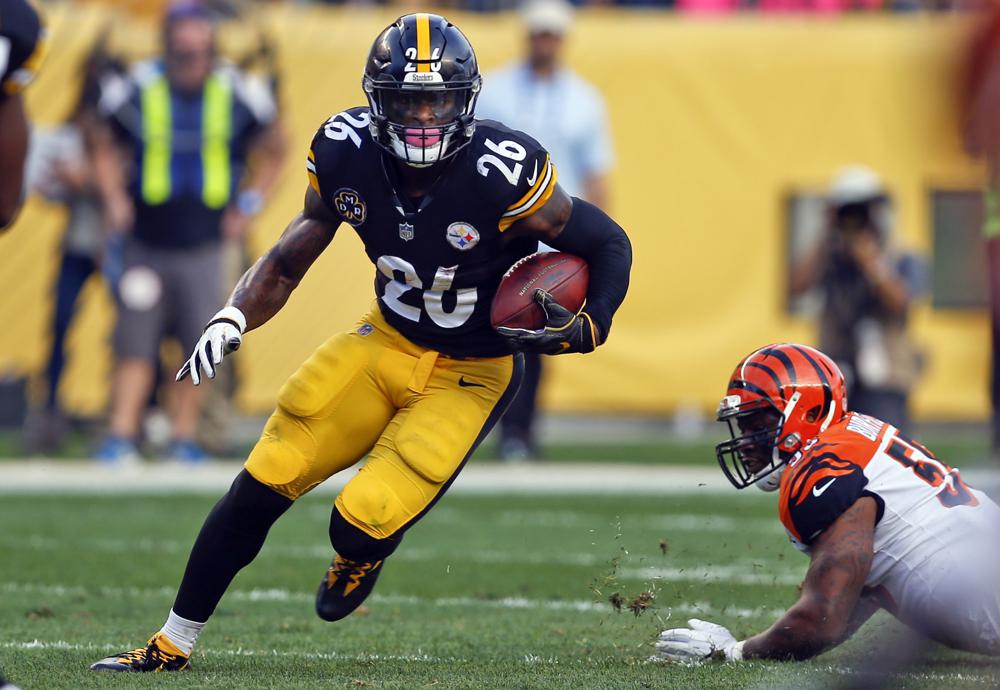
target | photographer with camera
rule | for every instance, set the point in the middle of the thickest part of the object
(867, 286)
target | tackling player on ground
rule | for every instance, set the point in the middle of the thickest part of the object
(22, 47)
(885, 524)
(444, 205)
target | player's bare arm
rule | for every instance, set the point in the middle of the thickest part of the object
(828, 611)
(831, 593)
(548, 222)
(578, 227)
(13, 148)
(265, 287)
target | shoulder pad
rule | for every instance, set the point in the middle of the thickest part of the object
(519, 174)
(819, 486)
(336, 141)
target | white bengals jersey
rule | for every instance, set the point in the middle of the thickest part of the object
(936, 564)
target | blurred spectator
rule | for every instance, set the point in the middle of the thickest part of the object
(185, 126)
(542, 97)
(867, 286)
(59, 168)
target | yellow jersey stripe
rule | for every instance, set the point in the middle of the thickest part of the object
(540, 187)
(311, 172)
(423, 42)
(534, 187)
(545, 194)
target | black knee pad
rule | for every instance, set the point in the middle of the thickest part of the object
(352, 543)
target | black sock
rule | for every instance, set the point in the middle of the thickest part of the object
(230, 539)
(352, 543)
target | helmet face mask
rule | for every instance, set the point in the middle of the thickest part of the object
(779, 398)
(422, 103)
(751, 454)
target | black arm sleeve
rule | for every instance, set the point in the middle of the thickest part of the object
(593, 235)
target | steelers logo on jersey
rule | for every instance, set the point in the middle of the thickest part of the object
(462, 236)
(350, 206)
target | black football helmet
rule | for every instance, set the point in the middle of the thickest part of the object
(422, 81)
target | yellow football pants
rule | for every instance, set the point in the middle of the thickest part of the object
(417, 414)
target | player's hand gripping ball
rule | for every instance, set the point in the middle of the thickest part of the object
(539, 305)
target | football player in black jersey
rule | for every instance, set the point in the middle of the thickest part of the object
(444, 204)
(22, 46)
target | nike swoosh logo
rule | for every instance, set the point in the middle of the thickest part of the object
(470, 384)
(534, 176)
(817, 491)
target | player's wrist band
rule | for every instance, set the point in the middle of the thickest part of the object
(230, 315)
(249, 202)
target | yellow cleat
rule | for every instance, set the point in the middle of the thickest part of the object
(158, 655)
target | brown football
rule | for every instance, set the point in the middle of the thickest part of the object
(564, 276)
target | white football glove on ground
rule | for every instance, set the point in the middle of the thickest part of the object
(700, 642)
(223, 335)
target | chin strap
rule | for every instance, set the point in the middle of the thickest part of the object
(773, 479)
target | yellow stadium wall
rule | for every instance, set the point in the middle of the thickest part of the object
(714, 122)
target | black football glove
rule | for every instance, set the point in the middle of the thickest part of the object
(564, 331)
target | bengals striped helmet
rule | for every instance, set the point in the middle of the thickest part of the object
(779, 397)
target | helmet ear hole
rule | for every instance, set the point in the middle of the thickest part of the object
(813, 414)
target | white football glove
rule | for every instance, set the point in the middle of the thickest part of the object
(223, 335)
(700, 642)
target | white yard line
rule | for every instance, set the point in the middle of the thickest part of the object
(330, 656)
(284, 595)
(478, 478)
(421, 657)
(738, 574)
(215, 478)
(760, 571)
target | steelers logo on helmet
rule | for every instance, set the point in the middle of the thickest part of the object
(422, 81)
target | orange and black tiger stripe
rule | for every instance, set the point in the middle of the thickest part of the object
(773, 372)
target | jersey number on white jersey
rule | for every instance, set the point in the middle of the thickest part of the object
(929, 469)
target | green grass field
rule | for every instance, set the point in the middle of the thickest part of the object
(487, 592)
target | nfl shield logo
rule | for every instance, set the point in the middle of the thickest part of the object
(405, 232)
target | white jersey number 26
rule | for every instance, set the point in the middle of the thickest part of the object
(465, 299)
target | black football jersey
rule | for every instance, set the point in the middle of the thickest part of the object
(21, 45)
(438, 260)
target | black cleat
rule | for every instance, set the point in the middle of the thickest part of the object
(346, 585)
(157, 656)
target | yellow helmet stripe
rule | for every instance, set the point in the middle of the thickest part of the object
(423, 42)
